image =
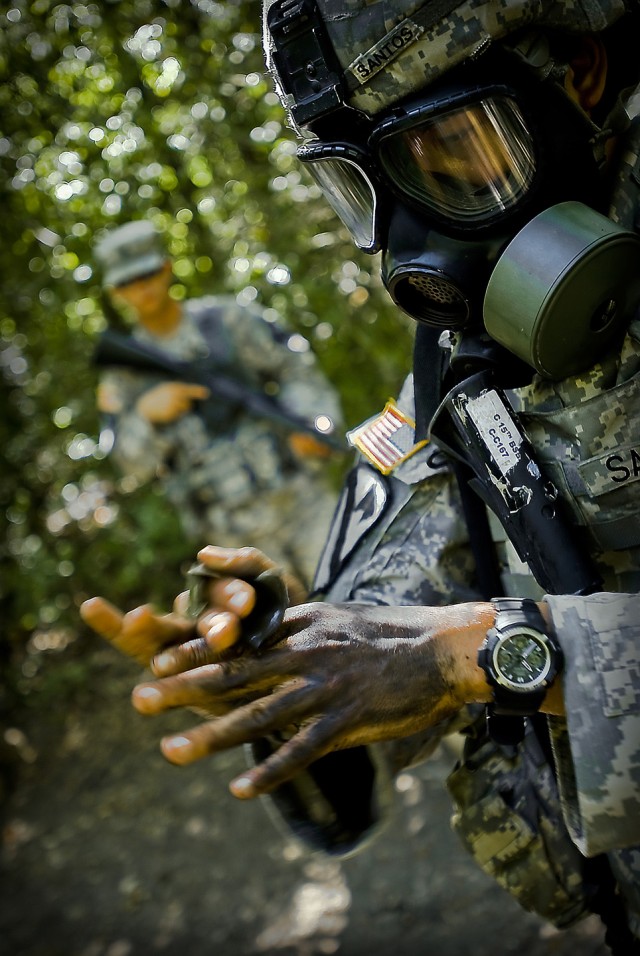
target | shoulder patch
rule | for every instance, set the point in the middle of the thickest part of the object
(386, 439)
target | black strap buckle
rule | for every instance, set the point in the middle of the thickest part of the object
(307, 67)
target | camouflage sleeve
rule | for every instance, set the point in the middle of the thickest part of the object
(598, 747)
(272, 352)
(138, 448)
(422, 557)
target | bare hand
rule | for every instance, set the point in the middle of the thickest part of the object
(172, 643)
(168, 401)
(140, 633)
(342, 675)
(231, 599)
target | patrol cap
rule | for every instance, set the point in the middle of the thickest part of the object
(387, 49)
(130, 252)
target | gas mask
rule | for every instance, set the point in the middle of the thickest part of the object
(483, 197)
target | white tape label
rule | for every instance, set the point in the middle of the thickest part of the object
(497, 429)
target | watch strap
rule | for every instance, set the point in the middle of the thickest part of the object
(523, 610)
(505, 730)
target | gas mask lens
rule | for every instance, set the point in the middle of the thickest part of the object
(464, 165)
(469, 165)
(340, 172)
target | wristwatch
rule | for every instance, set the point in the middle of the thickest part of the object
(519, 657)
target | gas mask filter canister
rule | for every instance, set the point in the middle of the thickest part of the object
(563, 288)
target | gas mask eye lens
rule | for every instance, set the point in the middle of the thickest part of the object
(469, 164)
(341, 174)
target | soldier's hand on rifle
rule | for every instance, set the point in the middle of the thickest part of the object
(304, 445)
(168, 401)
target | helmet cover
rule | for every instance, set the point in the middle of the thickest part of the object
(389, 49)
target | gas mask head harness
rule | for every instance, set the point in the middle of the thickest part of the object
(442, 182)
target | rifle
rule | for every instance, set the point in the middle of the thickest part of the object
(477, 425)
(114, 348)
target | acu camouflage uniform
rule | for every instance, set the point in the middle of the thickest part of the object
(236, 482)
(531, 818)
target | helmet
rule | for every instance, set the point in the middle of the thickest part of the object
(383, 50)
(130, 252)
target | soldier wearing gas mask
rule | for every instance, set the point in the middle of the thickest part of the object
(483, 569)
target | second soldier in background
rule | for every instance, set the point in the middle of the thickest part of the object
(236, 478)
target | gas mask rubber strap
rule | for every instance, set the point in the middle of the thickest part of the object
(428, 371)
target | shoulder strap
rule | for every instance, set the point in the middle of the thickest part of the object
(480, 537)
(428, 371)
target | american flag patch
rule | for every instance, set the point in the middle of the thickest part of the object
(386, 439)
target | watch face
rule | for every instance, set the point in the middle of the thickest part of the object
(522, 660)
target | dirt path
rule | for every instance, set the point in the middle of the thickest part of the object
(110, 851)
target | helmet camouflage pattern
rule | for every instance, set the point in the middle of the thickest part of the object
(390, 48)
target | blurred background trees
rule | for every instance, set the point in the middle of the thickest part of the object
(114, 111)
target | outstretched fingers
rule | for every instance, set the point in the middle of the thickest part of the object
(294, 755)
(102, 617)
(280, 713)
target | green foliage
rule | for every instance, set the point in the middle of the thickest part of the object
(115, 111)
